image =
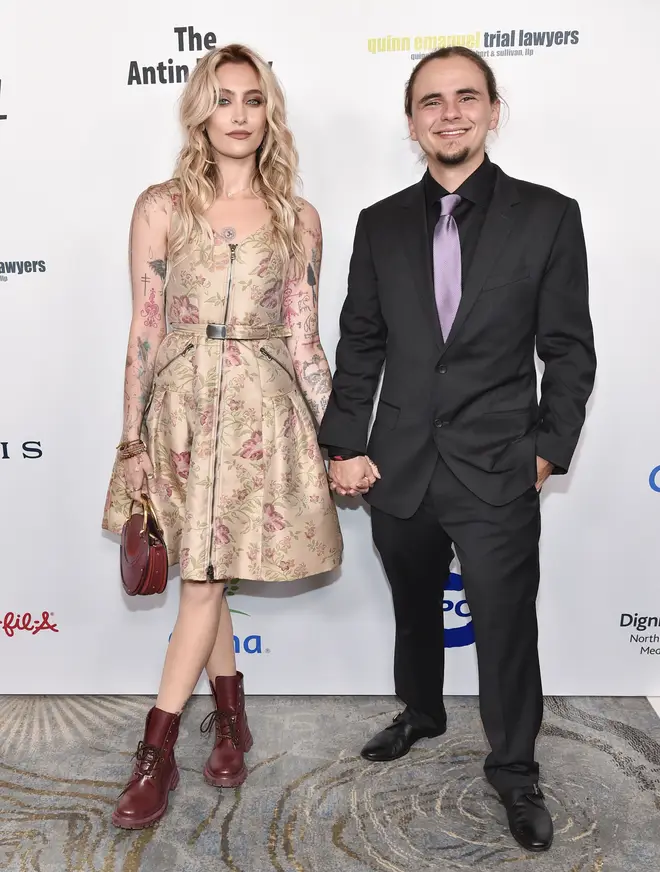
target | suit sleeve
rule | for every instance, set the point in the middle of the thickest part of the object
(360, 353)
(565, 343)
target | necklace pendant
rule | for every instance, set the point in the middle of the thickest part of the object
(229, 196)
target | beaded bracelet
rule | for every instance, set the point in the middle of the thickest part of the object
(126, 450)
(129, 442)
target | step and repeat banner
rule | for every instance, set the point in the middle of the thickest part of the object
(88, 119)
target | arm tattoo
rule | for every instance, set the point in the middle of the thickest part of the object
(318, 407)
(140, 362)
(152, 207)
(311, 281)
(159, 267)
(311, 327)
(153, 199)
(301, 307)
(317, 253)
(314, 375)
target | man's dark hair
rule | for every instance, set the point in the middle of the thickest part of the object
(453, 51)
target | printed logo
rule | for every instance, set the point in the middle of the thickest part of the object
(20, 267)
(654, 479)
(249, 645)
(28, 450)
(459, 631)
(168, 72)
(488, 44)
(14, 623)
(642, 623)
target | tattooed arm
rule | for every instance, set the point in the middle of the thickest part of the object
(148, 246)
(301, 299)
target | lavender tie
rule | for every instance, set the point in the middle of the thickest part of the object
(447, 263)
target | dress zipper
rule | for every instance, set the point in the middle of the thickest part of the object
(209, 569)
(176, 357)
(156, 375)
(272, 359)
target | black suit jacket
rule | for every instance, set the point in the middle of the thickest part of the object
(472, 398)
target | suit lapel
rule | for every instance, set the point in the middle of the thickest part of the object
(494, 233)
(414, 234)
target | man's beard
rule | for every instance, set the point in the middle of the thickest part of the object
(454, 158)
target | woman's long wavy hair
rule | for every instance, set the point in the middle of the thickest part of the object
(198, 179)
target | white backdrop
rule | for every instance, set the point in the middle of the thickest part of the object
(77, 146)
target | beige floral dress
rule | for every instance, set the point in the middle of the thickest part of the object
(240, 487)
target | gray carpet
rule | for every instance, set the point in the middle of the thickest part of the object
(311, 804)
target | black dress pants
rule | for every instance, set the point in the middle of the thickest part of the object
(498, 548)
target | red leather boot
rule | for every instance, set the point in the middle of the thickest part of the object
(144, 799)
(226, 765)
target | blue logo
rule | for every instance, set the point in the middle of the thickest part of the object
(459, 631)
(654, 479)
(248, 645)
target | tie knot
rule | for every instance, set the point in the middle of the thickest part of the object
(448, 203)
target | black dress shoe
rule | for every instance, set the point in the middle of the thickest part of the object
(396, 740)
(529, 819)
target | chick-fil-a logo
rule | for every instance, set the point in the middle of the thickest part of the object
(12, 623)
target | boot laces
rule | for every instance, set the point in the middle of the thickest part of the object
(226, 726)
(148, 758)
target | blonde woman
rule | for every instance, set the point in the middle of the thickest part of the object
(225, 381)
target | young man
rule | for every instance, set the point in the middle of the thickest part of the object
(453, 283)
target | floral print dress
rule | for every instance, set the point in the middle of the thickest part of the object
(240, 487)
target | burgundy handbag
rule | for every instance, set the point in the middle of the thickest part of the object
(143, 552)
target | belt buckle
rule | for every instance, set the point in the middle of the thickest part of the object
(216, 331)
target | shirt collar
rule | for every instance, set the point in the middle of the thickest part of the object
(477, 188)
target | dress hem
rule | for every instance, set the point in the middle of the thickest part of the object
(332, 566)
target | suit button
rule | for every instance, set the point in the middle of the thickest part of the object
(439, 423)
(441, 368)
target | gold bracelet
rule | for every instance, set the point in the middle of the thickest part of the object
(129, 443)
(132, 451)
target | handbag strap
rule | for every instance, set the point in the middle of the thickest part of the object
(147, 509)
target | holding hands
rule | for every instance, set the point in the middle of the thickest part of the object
(359, 474)
(352, 477)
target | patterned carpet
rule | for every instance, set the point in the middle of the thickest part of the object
(311, 804)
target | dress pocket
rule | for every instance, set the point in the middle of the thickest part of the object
(169, 430)
(276, 376)
(175, 371)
